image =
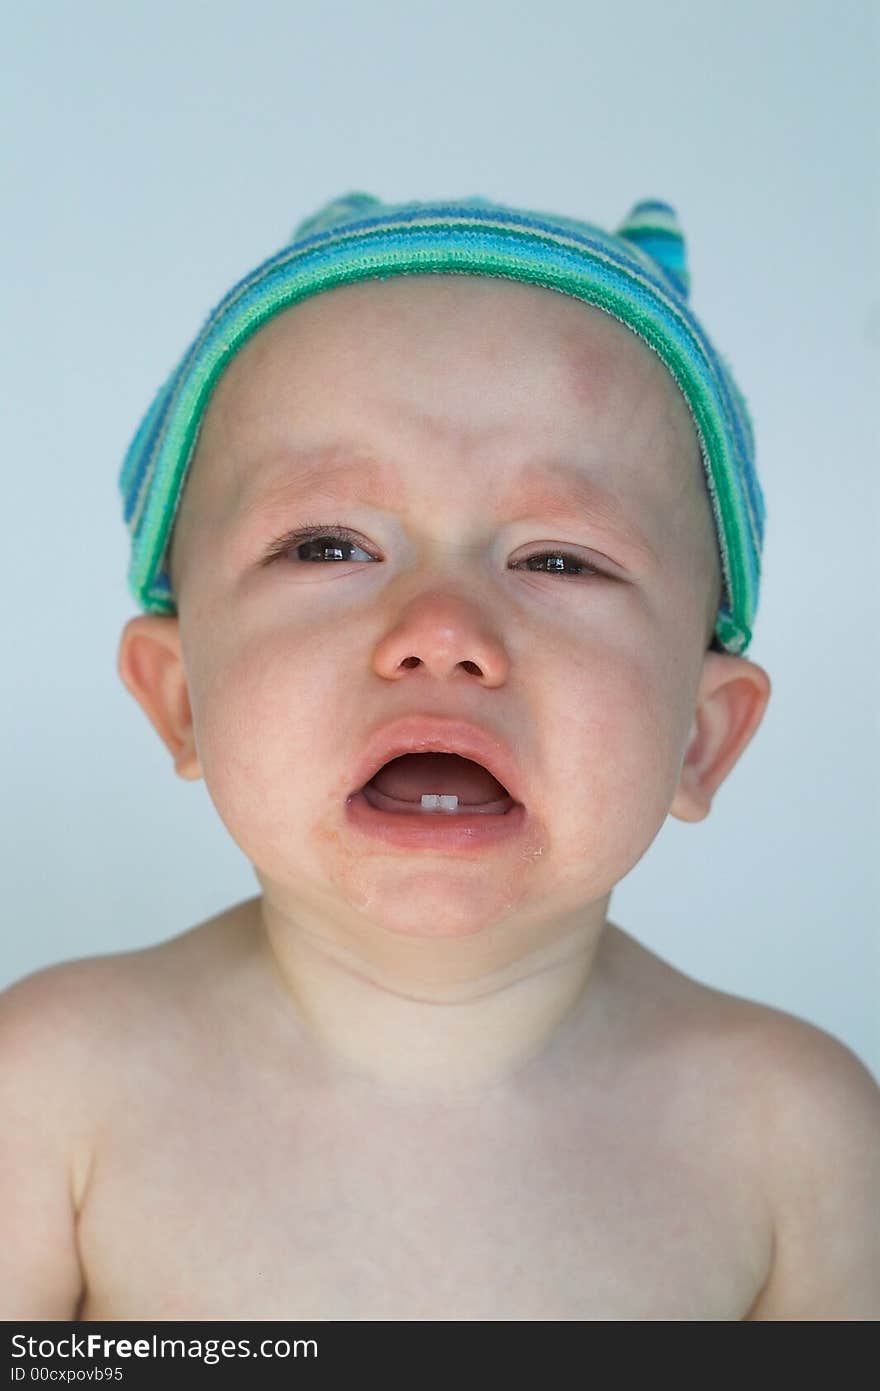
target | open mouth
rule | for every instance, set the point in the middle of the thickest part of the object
(425, 798)
(436, 785)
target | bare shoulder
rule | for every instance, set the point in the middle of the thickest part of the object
(49, 1023)
(808, 1116)
(81, 1045)
(767, 1043)
(65, 996)
(78, 1021)
(820, 1126)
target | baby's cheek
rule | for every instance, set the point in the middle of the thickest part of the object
(256, 740)
(615, 761)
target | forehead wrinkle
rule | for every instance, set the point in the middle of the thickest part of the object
(328, 469)
(465, 437)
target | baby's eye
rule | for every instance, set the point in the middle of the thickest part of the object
(558, 559)
(329, 544)
(323, 541)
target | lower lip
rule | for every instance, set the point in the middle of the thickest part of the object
(455, 832)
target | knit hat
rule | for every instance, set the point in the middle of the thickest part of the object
(638, 275)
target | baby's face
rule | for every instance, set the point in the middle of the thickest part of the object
(454, 426)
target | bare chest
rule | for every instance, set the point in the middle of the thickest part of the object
(212, 1206)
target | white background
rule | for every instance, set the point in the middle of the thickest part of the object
(154, 152)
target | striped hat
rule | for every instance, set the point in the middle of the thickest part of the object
(637, 274)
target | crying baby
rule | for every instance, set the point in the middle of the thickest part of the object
(440, 633)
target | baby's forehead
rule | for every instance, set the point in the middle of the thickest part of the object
(485, 356)
(451, 311)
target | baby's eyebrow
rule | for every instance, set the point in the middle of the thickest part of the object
(551, 488)
(563, 492)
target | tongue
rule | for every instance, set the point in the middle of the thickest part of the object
(407, 777)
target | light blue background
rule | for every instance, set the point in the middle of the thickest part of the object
(155, 151)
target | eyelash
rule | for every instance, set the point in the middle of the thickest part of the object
(336, 532)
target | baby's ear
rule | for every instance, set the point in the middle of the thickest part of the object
(731, 700)
(150, 665)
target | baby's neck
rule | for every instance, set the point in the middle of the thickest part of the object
(375, 1025)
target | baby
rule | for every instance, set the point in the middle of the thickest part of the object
(447, 535)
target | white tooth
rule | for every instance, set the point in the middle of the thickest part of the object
(436, 801)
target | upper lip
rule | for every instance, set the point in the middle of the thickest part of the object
(439, 734)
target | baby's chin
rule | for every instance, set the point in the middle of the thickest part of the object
(437, 904)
